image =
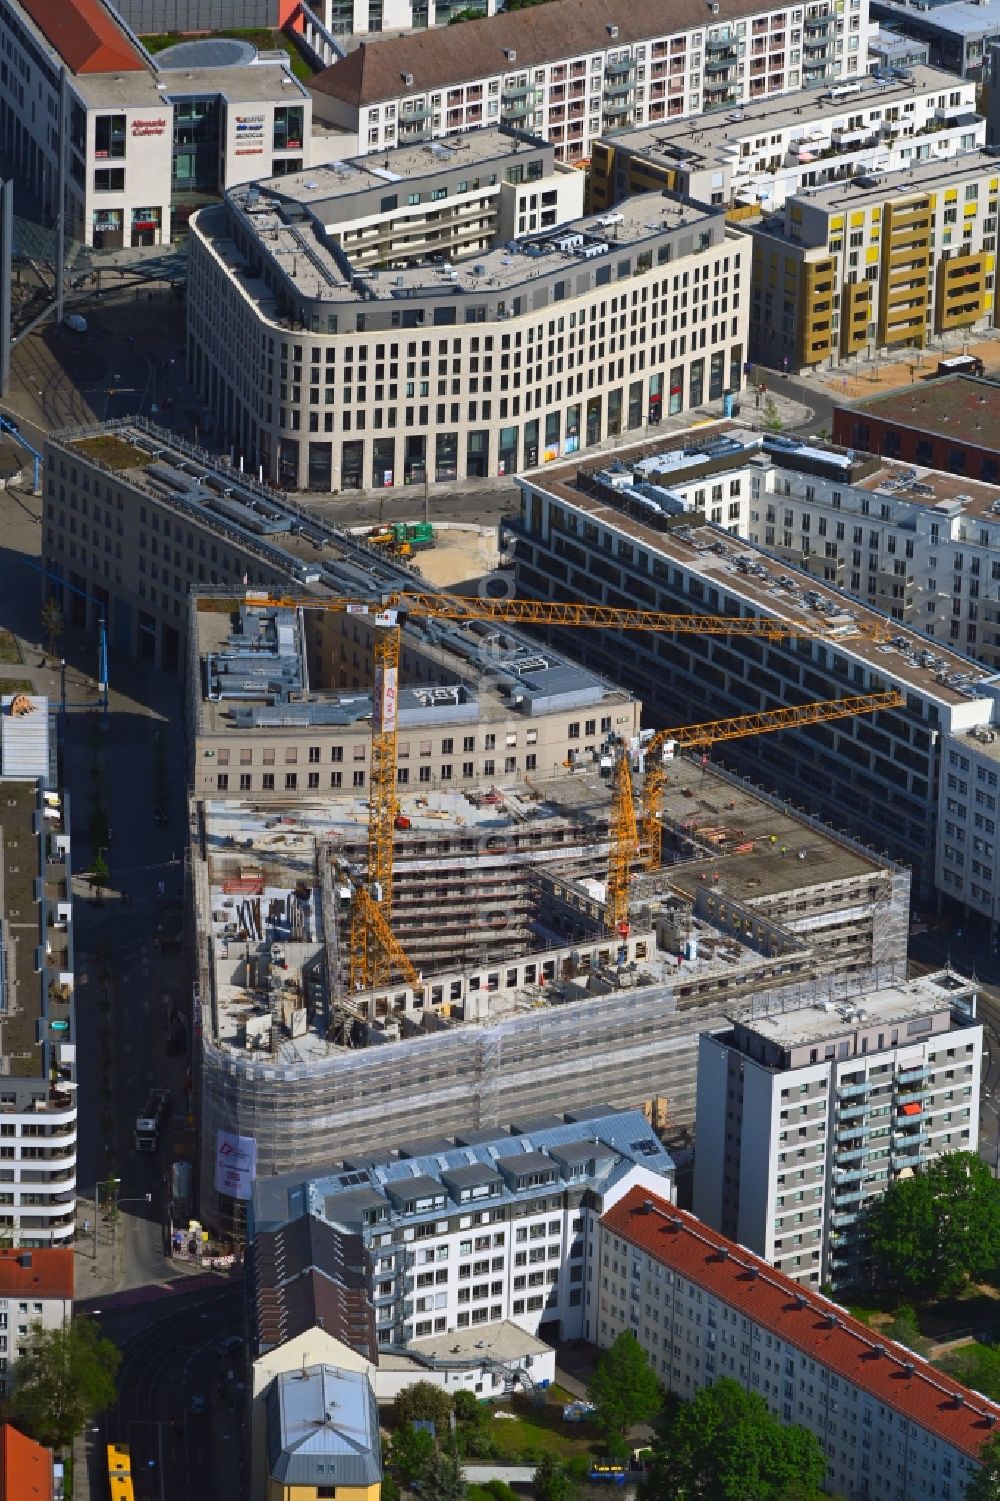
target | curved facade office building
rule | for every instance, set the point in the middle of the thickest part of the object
(449, 315)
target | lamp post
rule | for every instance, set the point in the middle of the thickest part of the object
(143, 1199)
(110, 1184)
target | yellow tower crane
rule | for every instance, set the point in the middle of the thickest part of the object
(715, 731)
(371, 958)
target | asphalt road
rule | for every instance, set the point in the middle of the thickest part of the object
(174, 1361)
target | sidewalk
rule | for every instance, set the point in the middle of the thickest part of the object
(896, 368)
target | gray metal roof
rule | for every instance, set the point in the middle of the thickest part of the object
(469, 1177)
(526, 1162)
(612, 1139)
(582, 1151)
(322, 1428)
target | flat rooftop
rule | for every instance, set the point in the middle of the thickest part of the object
(263, 81)
(921, 177)
(737, 825)
(252, 681)
(323, 274)
(896, 1004)
(766, 586)
(503, 1342)
(699, 141)
(342, 180)
(963, 408)
(962, 17)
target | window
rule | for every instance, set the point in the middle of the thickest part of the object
(109, 136)
(109, 179)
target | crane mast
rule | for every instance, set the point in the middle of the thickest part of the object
(374, 951)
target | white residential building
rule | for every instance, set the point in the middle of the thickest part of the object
(573, 69)
(37, 1007)
(775, 148)
(36, 1291)
(805, 1115)
(891, 1426)
(490, 1226)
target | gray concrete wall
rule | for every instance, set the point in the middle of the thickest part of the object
(152, 16)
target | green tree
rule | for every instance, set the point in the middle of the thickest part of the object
(772, 417)
(623, 1387)
(977, 1366)
(932, 1232)
(984, 1485)
(424, 1402)
(51, 618)
(468, 1408)
(552, 1483)
(442, 1476)
(727, 1445)
(64, 1377)
(410, 1451)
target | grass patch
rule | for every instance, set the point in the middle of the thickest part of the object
(112, 451)
(533, 1431)
(15, 685)
(261, 38)
(9, 649)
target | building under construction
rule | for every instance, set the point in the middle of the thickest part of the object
(520, 1002)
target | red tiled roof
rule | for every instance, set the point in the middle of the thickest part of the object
(25, 1467)
(49, 1275)
(449, 55)
(887, 1371)
(85, 36)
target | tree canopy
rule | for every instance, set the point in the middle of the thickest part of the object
(932, 1232)
(64, 1377)
(411, 1451)
(442, 1476)
(623, 1387)
(984, 1485)
(726, 1445)
(552, 1482)
(425, 1402)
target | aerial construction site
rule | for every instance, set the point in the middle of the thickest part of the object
(417, 917)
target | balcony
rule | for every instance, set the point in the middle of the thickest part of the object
(818, 23)
(857, 1154)
(717, 44)
(851, 1091)
(848, 1175)
(624, 67)
(618, 90)
(852, 1112)
(415, 112)
(517, 110)
(913, 1075)
(517, 91)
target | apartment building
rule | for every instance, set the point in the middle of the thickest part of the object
(36, 1291)
(137, 134)
(807, 1114)
(917, 544)
(622, 537)
(257, 730)
(703, 1307)
(490, 1225)
(967, 863)
(889, 259)
(332, 377)
(38, 1017)
(779, 148)
(574, 69)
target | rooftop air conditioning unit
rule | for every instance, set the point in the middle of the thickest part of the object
(510, 54)
(613, 33)
(407, 79)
